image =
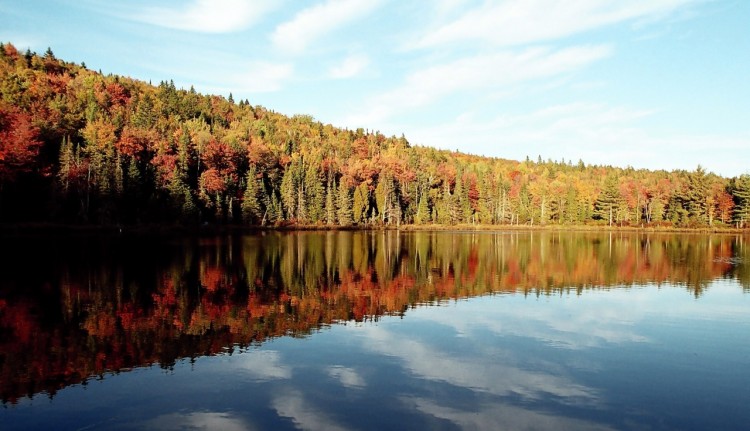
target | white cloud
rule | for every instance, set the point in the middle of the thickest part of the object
(483, 73)
(263, 365)
(503, 417)
(198, 421)
(563, 326)
(517, 22)
(347, 376)
(293, 405)
(208, 16)
(350, 67)
(314, 22)
(498, 378)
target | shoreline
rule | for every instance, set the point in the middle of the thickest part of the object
(42, 229)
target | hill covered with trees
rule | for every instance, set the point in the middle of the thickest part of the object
(79, 147)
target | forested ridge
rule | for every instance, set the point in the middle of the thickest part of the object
(80, 147)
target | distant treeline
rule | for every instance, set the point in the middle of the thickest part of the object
(80, 147)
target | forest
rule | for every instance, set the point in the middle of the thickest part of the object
(78, 147)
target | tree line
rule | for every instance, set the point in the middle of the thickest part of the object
(81, 147)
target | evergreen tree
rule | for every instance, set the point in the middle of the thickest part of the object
(250, 204)
(289, 192)
(361, 203)
(275, 210)
(314, 195)
(696, 195)
(145, 115)
(343, 205)
(676, 212)
(741, 195)
(66, 164)
(330, 209)
(384, 196)
(423, 211)
(607, 203)
(463, 206)
(387, 199)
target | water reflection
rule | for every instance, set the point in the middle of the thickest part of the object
(76, 310)
(197, 421)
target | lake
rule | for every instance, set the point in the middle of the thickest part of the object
(376, 330)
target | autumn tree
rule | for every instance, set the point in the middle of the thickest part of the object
(108, 149)
(19, 143)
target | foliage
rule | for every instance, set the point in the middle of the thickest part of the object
(90, 148)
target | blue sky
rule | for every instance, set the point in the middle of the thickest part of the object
(658, 84)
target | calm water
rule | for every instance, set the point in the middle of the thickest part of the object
(376, 330)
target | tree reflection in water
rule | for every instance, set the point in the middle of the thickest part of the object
(76, 309)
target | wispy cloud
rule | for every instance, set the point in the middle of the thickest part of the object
(293, 405)
(517, 22)
(350, 67)
(501, 378)
(347, 376)
(602, 323)
(496, 416)
(198, 421)
(485, 73)
(207, 16)
(264, 365)
(314, 22)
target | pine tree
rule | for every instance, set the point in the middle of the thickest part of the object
(67, 160)
(343, 205)
(330, 209)
(361, 203)
(289, 192)
(696, 194)
(275, 210)
(145, 115)
(607, 203)
(119, 175)
(741, 195)
(383, 197)
(423, 211)
(250, 205)
(313, 195)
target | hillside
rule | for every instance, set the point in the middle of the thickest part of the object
(79, 147)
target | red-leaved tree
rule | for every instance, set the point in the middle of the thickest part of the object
(19, 143)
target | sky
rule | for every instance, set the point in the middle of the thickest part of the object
(656, 84)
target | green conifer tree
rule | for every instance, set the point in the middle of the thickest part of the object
(741, 195)
(607, 203)
(250, 204)
(361, 203)
(343, 205)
